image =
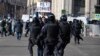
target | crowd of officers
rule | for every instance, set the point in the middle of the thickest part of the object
(51, 36)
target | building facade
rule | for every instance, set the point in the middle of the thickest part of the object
(32, 4)
(12, 8)
(74, 8)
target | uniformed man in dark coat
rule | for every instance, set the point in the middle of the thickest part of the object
(35, 28)
(49, 34)
(76, 29)
(40, 43)
(64, 35)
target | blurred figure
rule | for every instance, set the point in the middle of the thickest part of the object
(71, 29)
(9, 27)
(19, 28)
(13, 26)
(27, 27)
(76, 31)
(41, 22)
(64, 35)
(35, 29)
(82, 25)
(3, 28)
(49, 34)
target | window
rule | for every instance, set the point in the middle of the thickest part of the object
(78, 7)
(97, 9)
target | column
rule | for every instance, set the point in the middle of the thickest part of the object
(70, 6)
(87, 8)
(57, 6)
(28, 7)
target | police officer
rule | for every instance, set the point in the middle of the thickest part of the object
(35, 28)
(49, 34)
(40, 43)
(76, 31)
(64, 36)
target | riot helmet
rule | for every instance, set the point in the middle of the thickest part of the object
(63, 18)
(51, 18)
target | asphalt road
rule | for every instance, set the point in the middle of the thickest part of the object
(10, 46)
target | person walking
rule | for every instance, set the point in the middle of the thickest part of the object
(49, 34)
(35, 28)
(3, 27)
(64, 36)
(18, 29)
(27, 27)
(77, 31)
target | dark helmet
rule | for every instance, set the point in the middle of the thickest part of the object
(51, 18)
(63, 18)
(75, 21)
(35, 20)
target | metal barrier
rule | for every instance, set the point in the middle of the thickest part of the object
(91, 30)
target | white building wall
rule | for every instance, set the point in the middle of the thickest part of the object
(90, 8)
(92, 12)
(68, 6)
(30, 6)
(57, 6)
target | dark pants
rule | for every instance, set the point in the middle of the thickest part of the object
(19, 34)
(27, 30)
(77, 38)
(40, 50)
(59, 51)
(3, 31)
(9, 31)
(49, 49)
(39, 44)
(30, 47)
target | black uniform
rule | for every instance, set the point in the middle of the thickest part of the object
(40, 43)
(3, 28)
(77, 30)
(35, 29)
(27, 27)
(49, 34)
(64, 37)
